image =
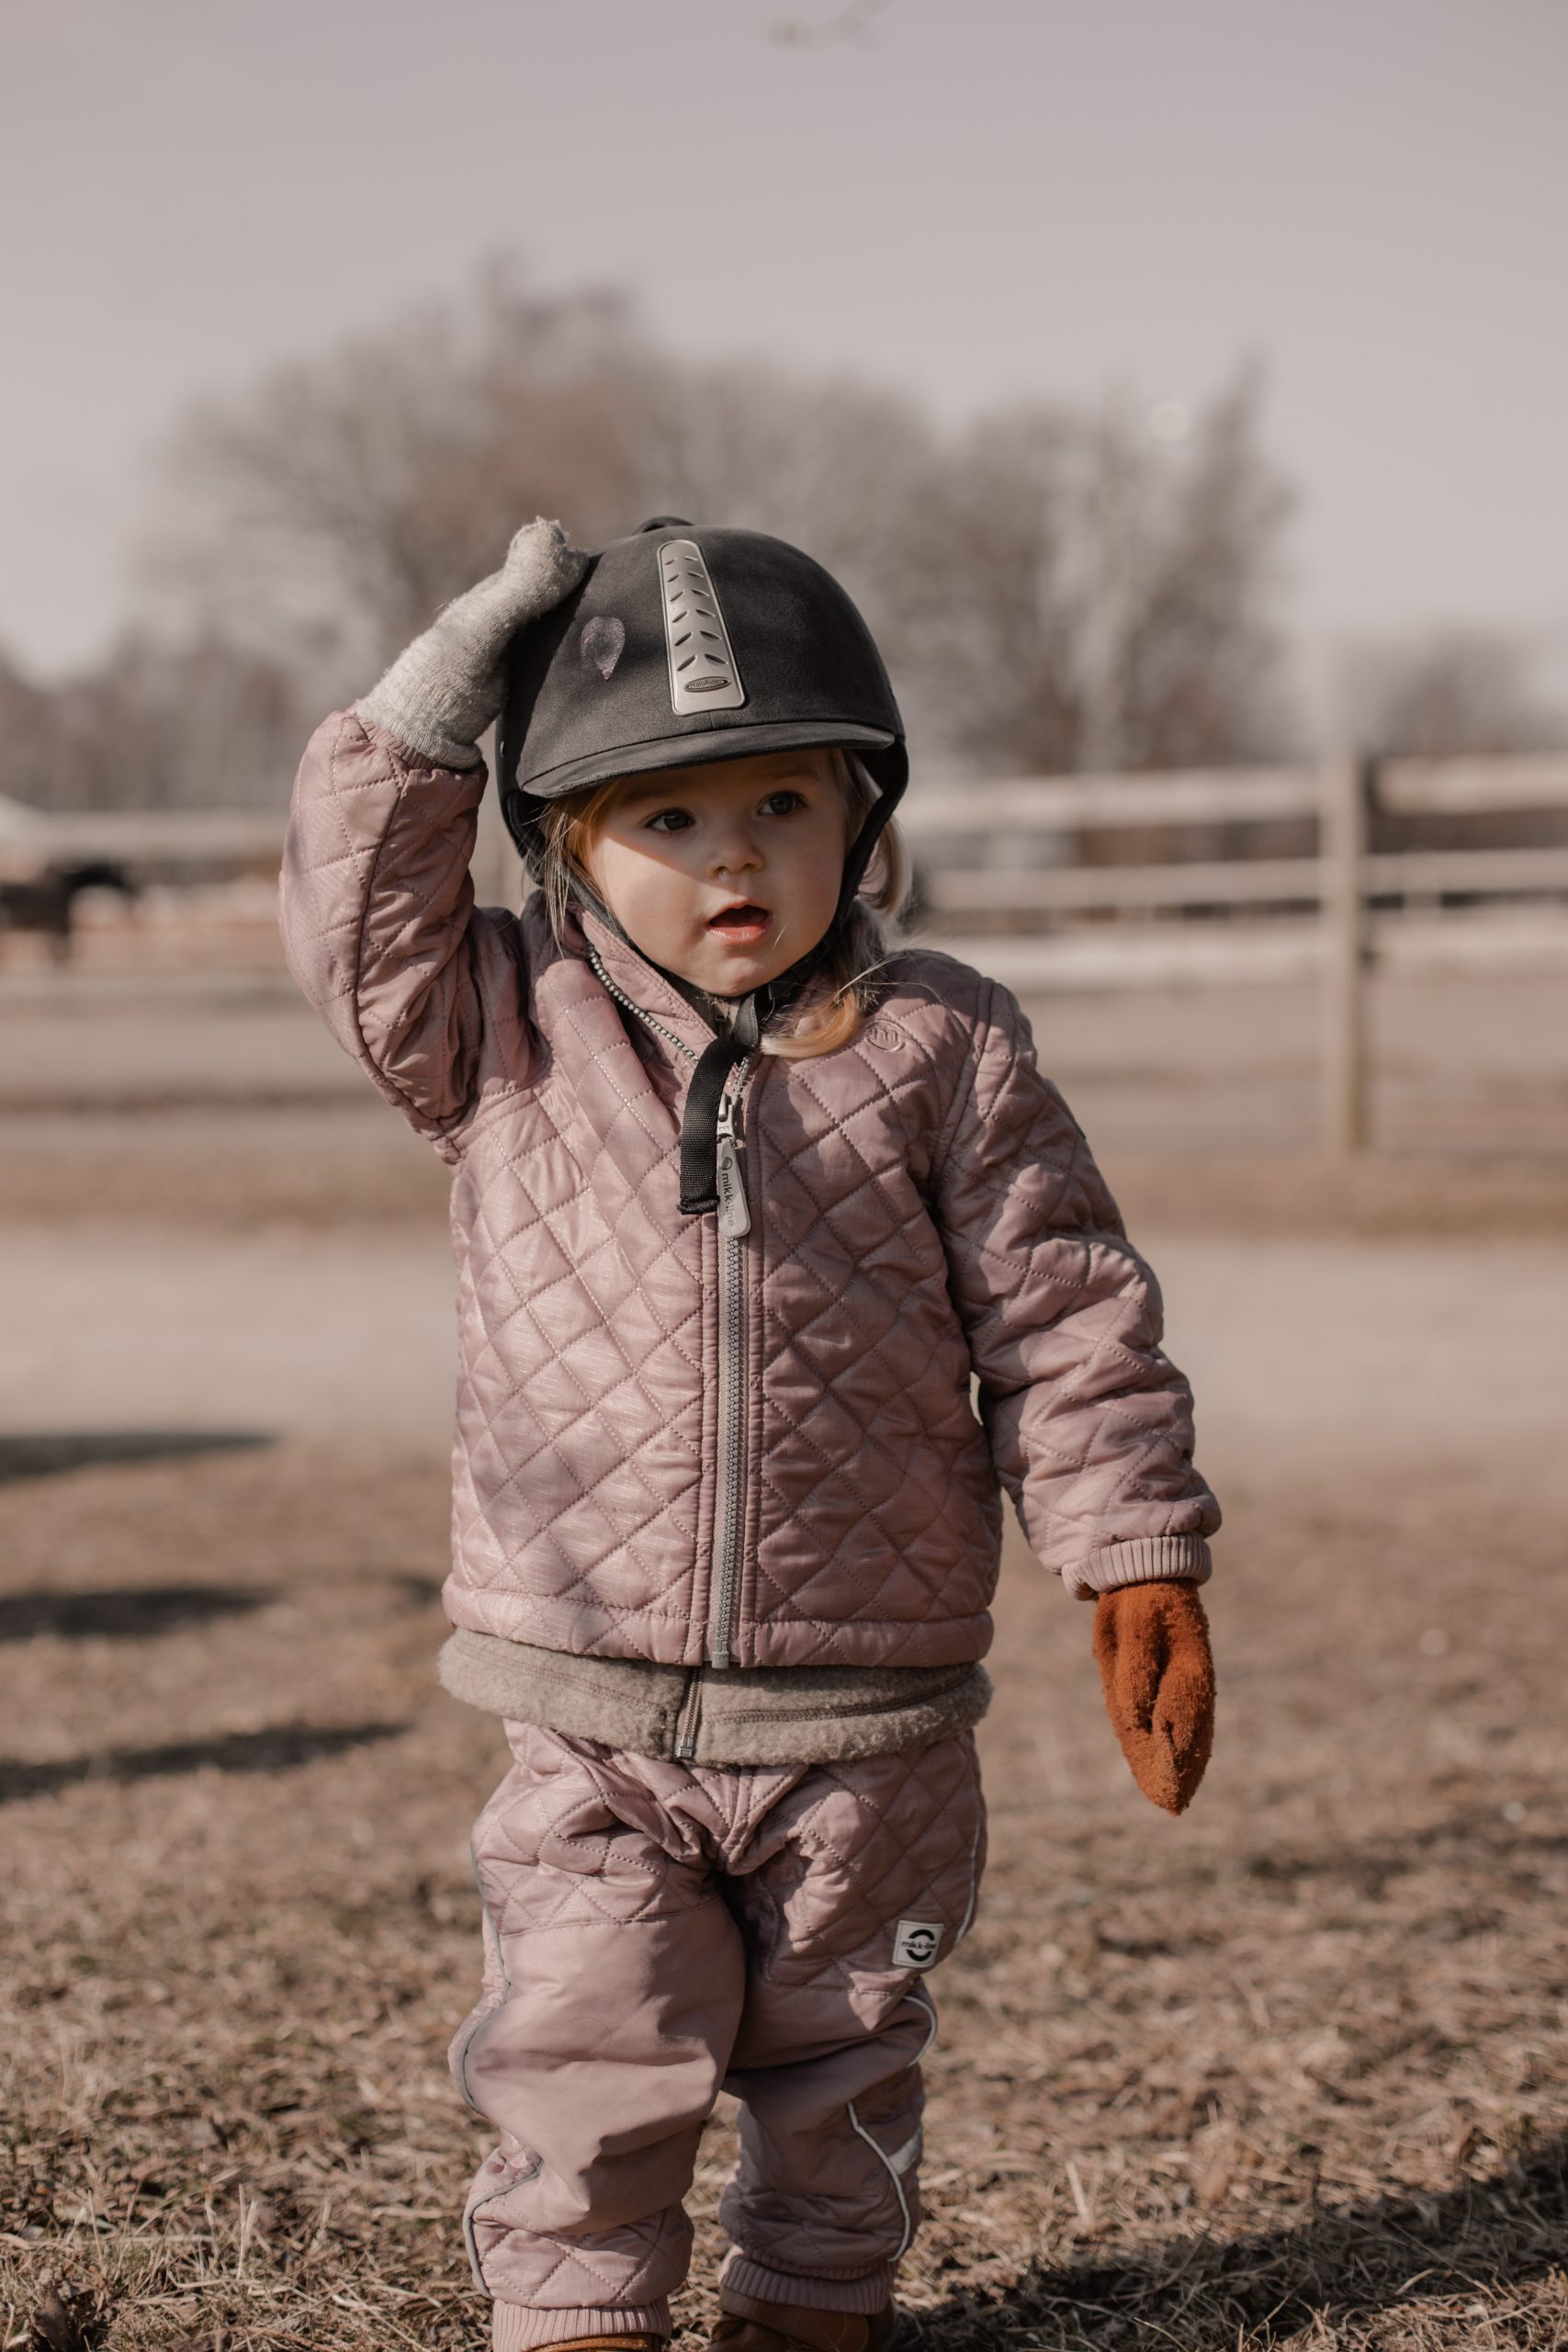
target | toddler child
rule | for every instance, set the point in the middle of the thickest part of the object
(777, 1258)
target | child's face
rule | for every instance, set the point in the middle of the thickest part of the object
(725, 874)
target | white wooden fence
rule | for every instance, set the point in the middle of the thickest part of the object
(1010, 856)
(32, 837)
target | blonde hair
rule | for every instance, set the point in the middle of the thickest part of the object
(568, 827)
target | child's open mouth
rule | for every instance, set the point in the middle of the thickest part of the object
(745, 924)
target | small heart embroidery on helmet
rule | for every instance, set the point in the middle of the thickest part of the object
(601, 644)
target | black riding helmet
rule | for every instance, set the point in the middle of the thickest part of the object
(684, 644)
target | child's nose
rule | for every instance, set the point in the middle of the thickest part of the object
(737, 852)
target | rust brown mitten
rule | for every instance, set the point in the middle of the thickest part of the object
(1152, 1643)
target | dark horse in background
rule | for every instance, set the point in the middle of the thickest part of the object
(48, 902)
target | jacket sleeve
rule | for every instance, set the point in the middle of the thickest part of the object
(1090, 1425)
(377, 916)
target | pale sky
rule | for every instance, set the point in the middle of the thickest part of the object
(978, 198)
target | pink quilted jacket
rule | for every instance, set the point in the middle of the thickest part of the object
(758, 1447)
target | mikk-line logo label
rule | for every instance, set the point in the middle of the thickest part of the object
(915, 1943)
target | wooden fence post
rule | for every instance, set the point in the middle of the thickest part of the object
(1342, 846)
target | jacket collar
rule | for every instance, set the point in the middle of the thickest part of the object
(635, 977)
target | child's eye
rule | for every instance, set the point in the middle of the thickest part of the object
(670, 820)
(781, 803)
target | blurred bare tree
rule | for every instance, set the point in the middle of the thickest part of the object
(330, 513)
(1448, 692)
(198, 723)
(1059, 588)
(841, 465)
(1108, 600)
(29, 733)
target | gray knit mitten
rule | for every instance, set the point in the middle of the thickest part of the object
(445, 689)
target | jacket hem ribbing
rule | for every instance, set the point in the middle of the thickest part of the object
(744, 1716)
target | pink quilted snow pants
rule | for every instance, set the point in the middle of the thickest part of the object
(656, 1931)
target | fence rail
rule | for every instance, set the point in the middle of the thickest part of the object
(1012, 850)
(1261, 881)
(31, 838)
(1010, 853)
(1230, 795)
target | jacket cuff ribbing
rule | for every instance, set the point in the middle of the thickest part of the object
(418, 726)
(519, 2327)
(1145, 1559)
(742, 2280)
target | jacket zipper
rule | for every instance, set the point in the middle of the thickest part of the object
(734, 1224)
(631, 1004)
(688, 1722)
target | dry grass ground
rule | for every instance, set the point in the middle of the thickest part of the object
(1292, 2072)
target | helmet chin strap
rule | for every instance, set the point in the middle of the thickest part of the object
(753, 1013)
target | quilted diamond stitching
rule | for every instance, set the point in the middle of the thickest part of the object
(580, 1483)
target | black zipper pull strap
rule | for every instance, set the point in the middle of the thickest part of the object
(699, 1128)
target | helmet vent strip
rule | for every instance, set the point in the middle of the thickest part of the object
(705, 678)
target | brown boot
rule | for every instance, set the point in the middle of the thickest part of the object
(610, 2344)
(750, 2326)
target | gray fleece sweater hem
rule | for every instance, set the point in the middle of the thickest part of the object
(778, 1715)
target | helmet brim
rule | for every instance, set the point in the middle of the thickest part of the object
(522, 805)
(735, 741)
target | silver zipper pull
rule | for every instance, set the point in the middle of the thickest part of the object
(734, 1216)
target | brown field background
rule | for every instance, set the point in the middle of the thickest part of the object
(1290, 2072)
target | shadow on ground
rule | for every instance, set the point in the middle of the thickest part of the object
(131, 1613)
(1481, 2238)
(276, 1750)
(45, 1454)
